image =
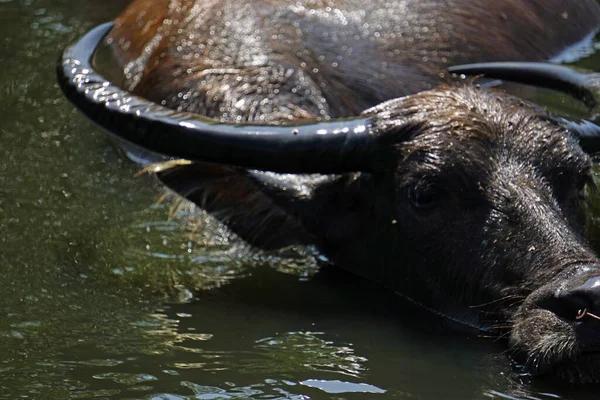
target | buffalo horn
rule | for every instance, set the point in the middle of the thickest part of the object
(583, 87)
(315, 147)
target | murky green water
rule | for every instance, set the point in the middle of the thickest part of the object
(102, 295)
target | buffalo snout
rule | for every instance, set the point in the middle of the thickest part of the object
(557, 328)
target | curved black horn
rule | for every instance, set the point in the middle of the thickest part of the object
(316, 147)
(584, 87)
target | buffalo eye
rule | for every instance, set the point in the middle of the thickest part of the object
(424, 196)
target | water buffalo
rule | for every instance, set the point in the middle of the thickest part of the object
(467, 200)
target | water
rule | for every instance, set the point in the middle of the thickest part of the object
(103, 295)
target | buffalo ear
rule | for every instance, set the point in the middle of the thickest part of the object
(272, 211)
(235, 199)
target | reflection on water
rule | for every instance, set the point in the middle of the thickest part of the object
(107, 293)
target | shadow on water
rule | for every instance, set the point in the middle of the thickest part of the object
(104, 296)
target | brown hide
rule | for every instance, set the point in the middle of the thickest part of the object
(274, 60)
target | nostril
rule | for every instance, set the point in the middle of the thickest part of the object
(567, 306)
(590, 291)
(578, 303)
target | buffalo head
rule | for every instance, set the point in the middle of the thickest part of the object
(467, 200)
